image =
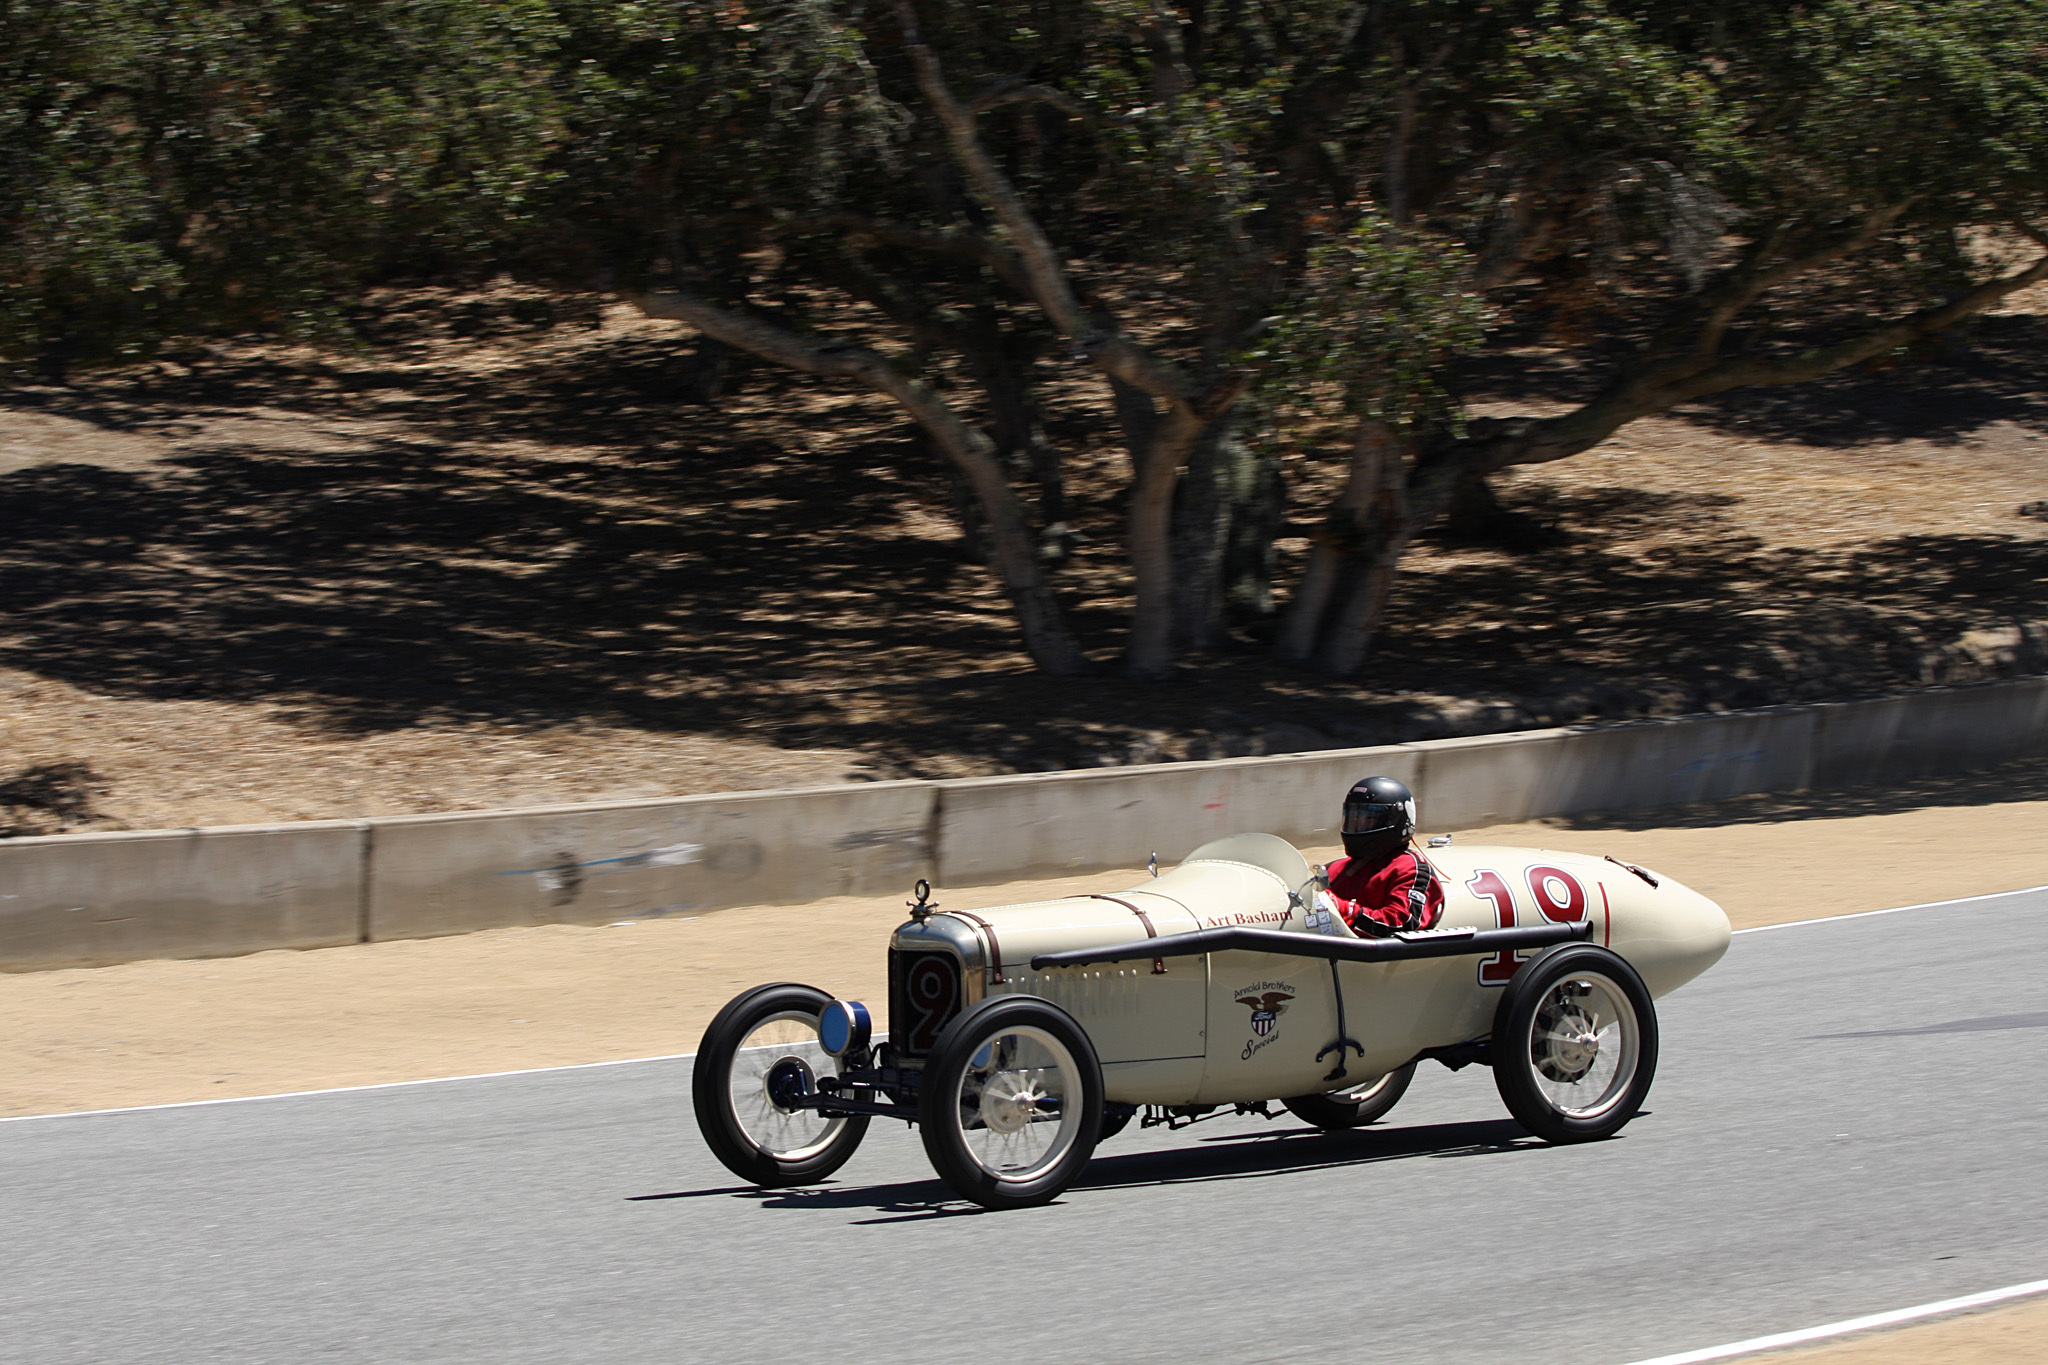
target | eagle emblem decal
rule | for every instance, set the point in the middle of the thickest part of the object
(1266, 1009)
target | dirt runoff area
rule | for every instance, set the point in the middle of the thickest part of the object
(170, 1031)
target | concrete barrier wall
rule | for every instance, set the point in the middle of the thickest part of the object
(1660, 763)
(1000, 828)
(442, 874)
(84, 899)
(76, 900)
(1927, 734)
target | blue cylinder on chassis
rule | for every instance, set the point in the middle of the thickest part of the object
(844, 1027)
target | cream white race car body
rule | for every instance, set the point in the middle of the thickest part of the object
(1224, 982)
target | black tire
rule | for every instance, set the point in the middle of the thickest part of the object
(1574, 1044)
(1011, 1102)
(1356, 1107)
(759, 1031)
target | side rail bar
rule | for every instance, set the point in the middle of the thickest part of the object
(1400, 947)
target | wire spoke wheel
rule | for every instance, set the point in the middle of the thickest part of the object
(778, 1060)
(759, 1057)
(1584, 1046)
(1356, 1106)
(1011, 1102)
(1575, 1043)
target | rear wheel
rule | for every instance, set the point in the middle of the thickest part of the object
(1574, 1043)
(761, 1052)
(1011, 1102)
(1356, 1107)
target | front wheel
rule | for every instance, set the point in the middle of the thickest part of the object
(1356, 1107)
(761, 1052)
(1574, 1043)
(1011, 1102)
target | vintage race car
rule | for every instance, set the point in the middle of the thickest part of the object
(1020, 1037)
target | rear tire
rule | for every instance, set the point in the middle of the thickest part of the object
(1010, 1104)
(1574, 1044)
(1335, 1110)
(764, 1042)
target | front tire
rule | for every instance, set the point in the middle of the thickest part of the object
(1574, 1043)
(762, 1048)
(1354, 1108)
(1011, 1102)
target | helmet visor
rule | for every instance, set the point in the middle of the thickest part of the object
(1372, 817)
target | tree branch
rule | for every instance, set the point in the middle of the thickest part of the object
(1051, 644)
(1820, 360)
(1701, 325)
(1020, 92)
(762, 338)
(1753, 284)
(1492, 444)
(1108, 350)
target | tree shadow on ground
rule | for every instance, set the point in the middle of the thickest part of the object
(543, 541)
(1720, 623)
(403, 579)
(1990, 373)
(1987, 372)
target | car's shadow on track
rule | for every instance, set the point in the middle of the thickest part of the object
(1288, 1151)
(908, 1200)
(1231, 1156)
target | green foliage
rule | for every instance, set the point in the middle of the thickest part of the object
(179, 166)
(1373, 324)
(1946, 103)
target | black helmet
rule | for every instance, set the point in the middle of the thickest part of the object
(1379, 816)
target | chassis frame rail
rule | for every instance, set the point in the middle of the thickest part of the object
(1398, 948)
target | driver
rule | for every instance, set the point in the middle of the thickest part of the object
(1382, 884)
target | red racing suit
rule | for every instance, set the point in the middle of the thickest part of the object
(1404, 892)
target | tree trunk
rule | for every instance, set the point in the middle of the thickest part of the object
(1356, 621)
(1151, 543)
(1474, 514)
(1226, 512)
(1138, 416)
(1356, 618)
(1201, 523)
(1249, 561)
(1018, 430)
(1345, 540)
(1046, 636)
(1394, 491)
(966, 512)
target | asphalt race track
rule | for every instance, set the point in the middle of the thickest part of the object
(1849, 1117)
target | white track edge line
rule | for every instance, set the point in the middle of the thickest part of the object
(682, 1056)
(346, 1089)
(1894, 910)
(1849, 1326)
